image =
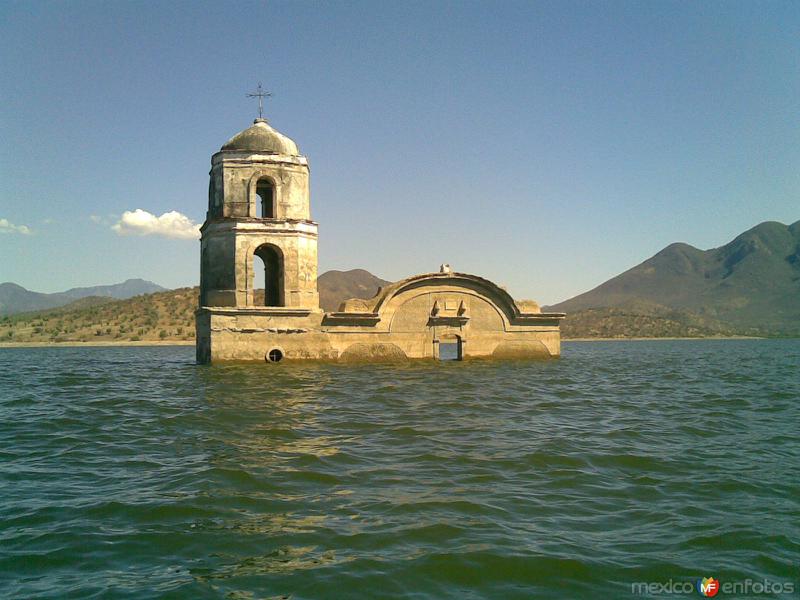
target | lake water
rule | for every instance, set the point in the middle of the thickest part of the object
(133, 473)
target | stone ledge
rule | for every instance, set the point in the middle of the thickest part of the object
(267, 311)
(245, 225)
(541, 316)
(261, 329)
(245, 158)
(447, 320)
(350, 318)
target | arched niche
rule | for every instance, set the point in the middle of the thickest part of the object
(271, 258)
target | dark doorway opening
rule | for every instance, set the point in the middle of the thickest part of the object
(450, 349)
(266, 192)
(273, 274)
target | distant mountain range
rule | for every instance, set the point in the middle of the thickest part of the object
(163, 316)
(15, 298)
(334, 288)
(750, 286)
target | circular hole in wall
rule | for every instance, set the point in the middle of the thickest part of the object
(274, 355)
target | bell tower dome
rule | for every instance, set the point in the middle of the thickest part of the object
(259, 217)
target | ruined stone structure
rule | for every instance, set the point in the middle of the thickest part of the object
(258, 208)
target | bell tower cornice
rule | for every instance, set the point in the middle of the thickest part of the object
(247, 157)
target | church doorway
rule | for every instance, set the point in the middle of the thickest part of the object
(272, 260)
(450, 347)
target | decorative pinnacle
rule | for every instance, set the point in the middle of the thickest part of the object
(260, 94)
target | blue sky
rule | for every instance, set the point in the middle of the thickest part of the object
(545, 145)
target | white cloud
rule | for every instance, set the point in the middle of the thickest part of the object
(171, 224)
(7, 226)
(95, 219)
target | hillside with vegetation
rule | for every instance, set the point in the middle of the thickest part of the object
(169, 317)
(640, 320)
(163, 316)
(750, 285)
(160, 317)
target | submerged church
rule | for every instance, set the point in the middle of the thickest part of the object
(259, 216)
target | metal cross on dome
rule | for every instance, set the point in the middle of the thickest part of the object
(260, 94)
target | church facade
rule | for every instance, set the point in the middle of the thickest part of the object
(259, 217)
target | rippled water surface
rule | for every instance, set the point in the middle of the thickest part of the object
(133, 473)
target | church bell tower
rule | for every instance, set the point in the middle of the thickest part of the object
(259, 220)
(259, 217)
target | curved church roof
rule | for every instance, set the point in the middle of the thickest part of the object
(515, 311)
(502, 297)
(260, 137)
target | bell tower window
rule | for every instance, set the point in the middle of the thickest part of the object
(266, 193)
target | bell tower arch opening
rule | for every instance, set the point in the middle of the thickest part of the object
(265, 190)
(271, 259)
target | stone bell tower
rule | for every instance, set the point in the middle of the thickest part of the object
(259, 217)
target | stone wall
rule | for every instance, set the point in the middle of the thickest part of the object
(410, 323)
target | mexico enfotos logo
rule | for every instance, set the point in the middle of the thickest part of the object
(709, 587)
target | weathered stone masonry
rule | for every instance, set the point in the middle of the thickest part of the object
(259, 206)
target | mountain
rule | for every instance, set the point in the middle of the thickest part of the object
(337, 286)
(15, 298)
(127, 289)
(749, 286)
(165, 316)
